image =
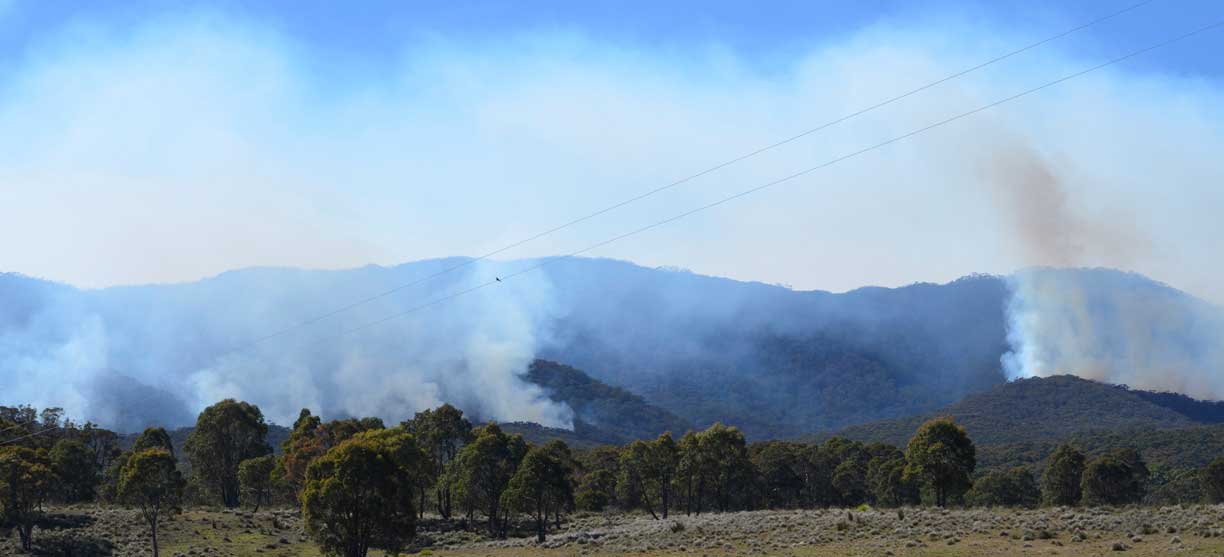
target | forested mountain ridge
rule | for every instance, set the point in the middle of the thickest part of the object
(602, 412)
(1045, 409)
(1022, 423)
(696, 349)
(778, 362)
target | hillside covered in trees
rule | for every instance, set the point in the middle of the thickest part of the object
(796, 361)
(1022, 423)
(692, 349)
(360, 484)
(1052, 408)
(1047, 408)
(602, 412)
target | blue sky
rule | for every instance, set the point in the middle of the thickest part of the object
(369, 34)
(156, 141)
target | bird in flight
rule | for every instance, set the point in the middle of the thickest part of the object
(498, 279)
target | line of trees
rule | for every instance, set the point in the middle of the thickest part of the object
(362, 484)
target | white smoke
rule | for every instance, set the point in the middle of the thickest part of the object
(116, 356)
(1115, 327)
(1094, 323)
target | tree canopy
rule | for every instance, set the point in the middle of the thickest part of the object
(26, 479)
(226, 434)
(541, 485)
(358, 495)
(942, 457)
(1060, 483)
(151, 481)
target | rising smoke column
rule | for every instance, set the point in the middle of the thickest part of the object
(1098, 323)
(134, 356)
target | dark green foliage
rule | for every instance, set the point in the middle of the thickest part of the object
(1170, 486)
(255, 478)
(150, 480)
(887, 482)
(779, 467)
(541, 485)
(1040, 409)
(1140, 473)
(581, 437)
(178, 440)
(1201, 411)
(341, 430)
(1213, 481)
(1175, 449)
(1011, 488)
(631, 483)
(226, 434)
(816, 468)
(779, 363)
(647, 470)
(850, 481)
(102, 443)
(942, 458)
(76, 476)
(1060, 483)
(153, 438)
(714, 467)
(597, 471)
(1116, 478)
(441, 433)
(359, 495)
(481, 471)
(1024, 423)
(26, 481)
(798, 384)
(603, 412)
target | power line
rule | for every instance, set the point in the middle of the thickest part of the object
(691, 177)
(831, 162)
(14, 426)
(14, 440)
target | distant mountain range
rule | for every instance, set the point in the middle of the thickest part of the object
(610, 349)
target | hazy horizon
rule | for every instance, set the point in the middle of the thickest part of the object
(151, 142)
(520, 259)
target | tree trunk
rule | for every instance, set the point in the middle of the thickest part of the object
(541, 520)
(649, 507)
(26, 533)
(229, 495)
(154, 528)
(700, 494)
(688, 495)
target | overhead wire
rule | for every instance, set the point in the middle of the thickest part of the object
(548, 261)
(470, 261)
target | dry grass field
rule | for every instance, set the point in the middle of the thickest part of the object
(1196, 530)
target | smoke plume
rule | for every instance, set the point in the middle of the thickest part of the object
(133, 356)
(1095, 323)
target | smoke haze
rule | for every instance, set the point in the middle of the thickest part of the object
(1100, 324)
(160, 150)
(132, 356)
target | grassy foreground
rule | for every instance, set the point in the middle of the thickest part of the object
(1199, 530)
